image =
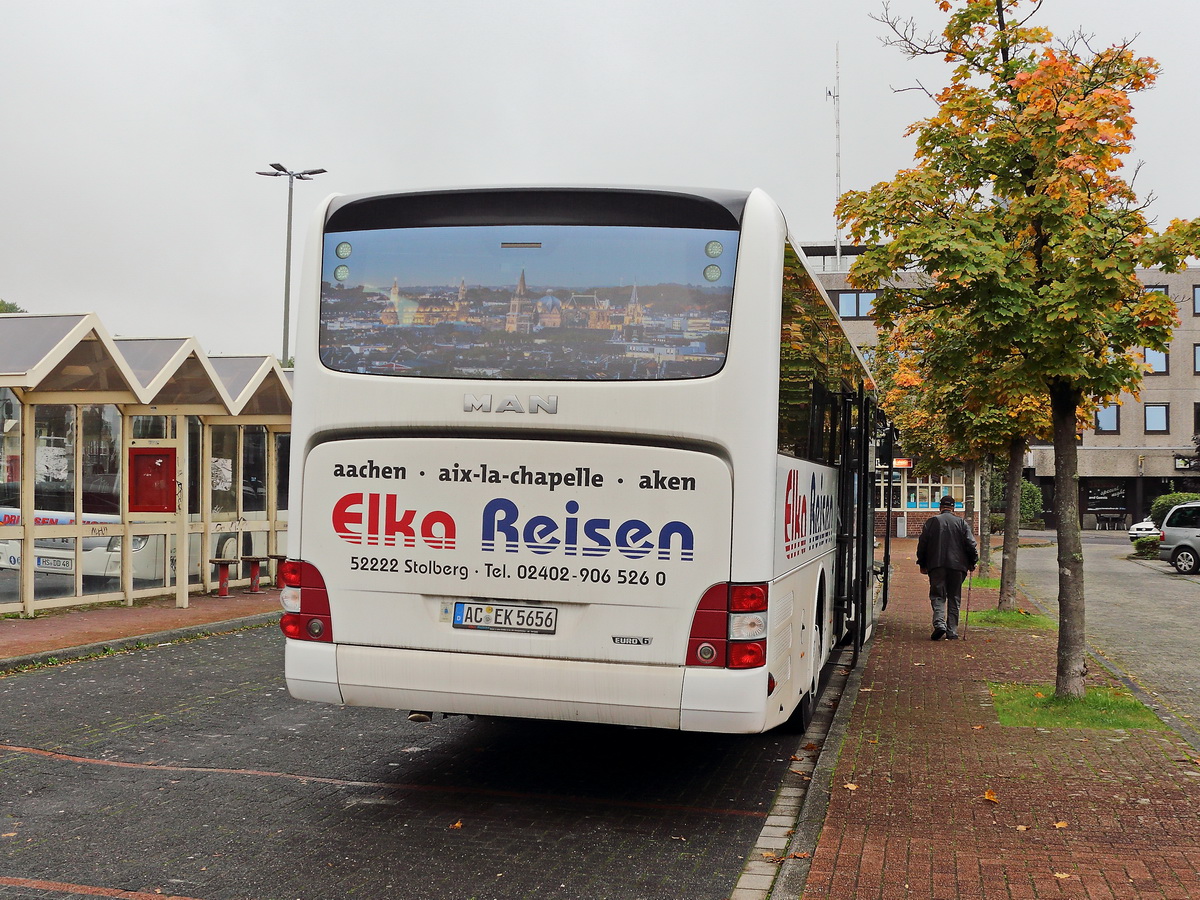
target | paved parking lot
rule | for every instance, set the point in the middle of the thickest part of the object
(187, 769)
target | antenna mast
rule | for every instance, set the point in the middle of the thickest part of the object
(837, 146)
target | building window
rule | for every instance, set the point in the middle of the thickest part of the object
(1196, 359)
(1108, 419)
(1105, 495)
(1157, 360)
(855, 304)
(926, 492)
(1196, 418)
(1158, 418)
(1196, 299)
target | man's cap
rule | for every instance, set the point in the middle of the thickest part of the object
(947, 502)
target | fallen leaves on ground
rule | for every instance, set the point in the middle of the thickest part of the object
(990, 796)
(775, 858)
(1022, 828)
(456, 825)
(977, 728)
(850, 787)
(1061, 824)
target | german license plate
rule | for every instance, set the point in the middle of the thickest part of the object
(54, 562)
(500, 617)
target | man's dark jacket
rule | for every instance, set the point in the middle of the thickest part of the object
(947, 543)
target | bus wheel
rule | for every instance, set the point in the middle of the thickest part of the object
(227, 546)
(800, 719)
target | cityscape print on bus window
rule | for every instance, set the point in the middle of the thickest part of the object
(528, 302)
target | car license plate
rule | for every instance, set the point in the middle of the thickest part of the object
(498, 617)
(54, 562)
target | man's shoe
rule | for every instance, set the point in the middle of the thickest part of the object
(938, 633)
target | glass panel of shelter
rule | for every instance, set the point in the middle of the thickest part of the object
(10, 499)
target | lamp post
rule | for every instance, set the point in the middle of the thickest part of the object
(278, 169)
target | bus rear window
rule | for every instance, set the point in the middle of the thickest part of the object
(555, 302)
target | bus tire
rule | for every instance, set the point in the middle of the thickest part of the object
(801, 717)
(225, 544)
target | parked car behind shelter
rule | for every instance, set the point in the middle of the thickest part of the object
(1180, 543)
(1143, 529)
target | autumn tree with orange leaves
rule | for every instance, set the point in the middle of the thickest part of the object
(938, 393)
(1025, 238)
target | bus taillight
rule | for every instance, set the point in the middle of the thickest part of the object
(747, 654)
(748, 598)
(306, 615)
(729, 628)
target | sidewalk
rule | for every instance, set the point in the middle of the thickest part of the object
(1079, 813)
(75, 633)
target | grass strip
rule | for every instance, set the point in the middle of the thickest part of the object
(1010, 618)
(1035, 706)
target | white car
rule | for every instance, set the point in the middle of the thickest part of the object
(1143, 529)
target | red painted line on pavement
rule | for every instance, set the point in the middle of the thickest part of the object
(63, 887)
(385, 785)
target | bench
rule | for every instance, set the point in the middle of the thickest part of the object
(276, 558)
(255, 571)
(223, 574)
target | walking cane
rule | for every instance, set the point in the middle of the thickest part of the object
(966, 618)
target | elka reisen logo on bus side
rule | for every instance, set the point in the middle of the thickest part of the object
(377, 519)
(807, 516)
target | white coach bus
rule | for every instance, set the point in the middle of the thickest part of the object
(585, 454)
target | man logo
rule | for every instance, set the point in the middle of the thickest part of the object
(510, 403)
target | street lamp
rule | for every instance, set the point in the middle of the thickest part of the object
(277, 169)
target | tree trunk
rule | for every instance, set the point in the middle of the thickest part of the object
(970, 469)
(985, 518)
(1072, 659)
(1012, 525)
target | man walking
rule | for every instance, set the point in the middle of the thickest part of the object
(946, 551)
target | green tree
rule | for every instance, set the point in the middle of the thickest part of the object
(9, 307)
(1025, 237)
(941, 401)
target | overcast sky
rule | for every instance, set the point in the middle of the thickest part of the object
(133, 128)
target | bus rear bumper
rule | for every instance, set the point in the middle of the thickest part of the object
(521, 687)
(311, 671)
(515, 686)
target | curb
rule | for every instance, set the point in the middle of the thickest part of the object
(793, 872)
(72, 654)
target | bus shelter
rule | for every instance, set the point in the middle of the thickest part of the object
(130, 463)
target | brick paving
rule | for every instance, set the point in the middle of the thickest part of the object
(1081, 813)
(71, 633)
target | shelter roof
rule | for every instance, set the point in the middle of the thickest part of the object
(174, 371)
(73, 359)
(256, 384)
(67, 353)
